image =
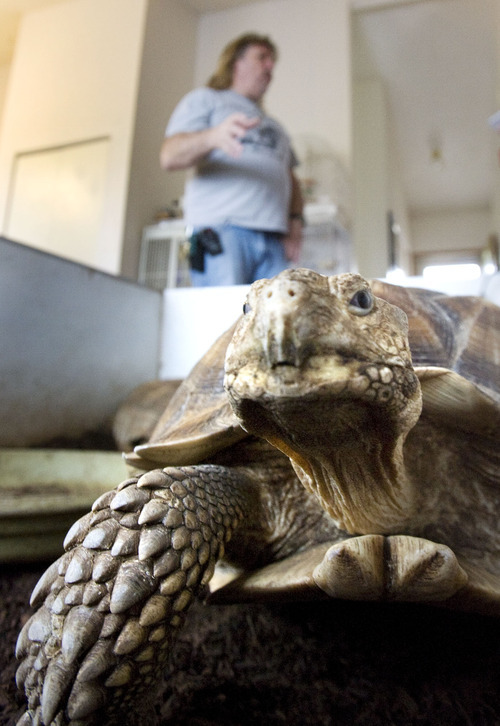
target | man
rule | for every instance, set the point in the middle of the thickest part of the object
(243, 202)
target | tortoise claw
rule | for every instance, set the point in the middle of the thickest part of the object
(399, 567)
(353, 569)
(422, 570)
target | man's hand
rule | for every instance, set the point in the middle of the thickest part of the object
(292, 242)
(228, 134)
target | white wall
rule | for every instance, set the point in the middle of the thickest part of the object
(496, 136)
(371, 174)
(311, 90)
(376, 165)
(166, 75)
(450, 229)
(398, 205)
(75, 77)
(4, 77)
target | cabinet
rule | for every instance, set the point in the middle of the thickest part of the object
(163, 258)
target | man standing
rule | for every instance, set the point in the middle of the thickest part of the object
(243, 202)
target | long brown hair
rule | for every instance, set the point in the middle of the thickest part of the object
(222, 78)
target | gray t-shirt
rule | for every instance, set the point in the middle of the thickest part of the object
(251, 191)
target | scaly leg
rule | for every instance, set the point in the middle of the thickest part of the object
(110, 607)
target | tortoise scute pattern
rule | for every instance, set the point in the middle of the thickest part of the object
(110, 606)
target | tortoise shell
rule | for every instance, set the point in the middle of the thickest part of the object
(198, 421)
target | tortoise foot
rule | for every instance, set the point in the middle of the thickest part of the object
(422, 570)
(353, 569)
(401, 568)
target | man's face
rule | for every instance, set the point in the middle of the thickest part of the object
(252, 72)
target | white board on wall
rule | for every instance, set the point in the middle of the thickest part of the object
(57, 198)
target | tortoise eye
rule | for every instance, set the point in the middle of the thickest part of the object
(361, 302)
(246, 308)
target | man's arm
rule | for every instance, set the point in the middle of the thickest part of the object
(185, 149)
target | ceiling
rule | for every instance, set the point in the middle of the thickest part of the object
(437, 59)
(11, 11)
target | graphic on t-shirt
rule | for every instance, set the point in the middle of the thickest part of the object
(264, 135)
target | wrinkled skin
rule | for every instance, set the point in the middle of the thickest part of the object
(341, 491)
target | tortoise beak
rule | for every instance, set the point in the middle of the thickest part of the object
(281, 340)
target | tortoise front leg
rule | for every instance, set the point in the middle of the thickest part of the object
(110, 607)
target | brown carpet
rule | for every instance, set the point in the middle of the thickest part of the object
(335, 663)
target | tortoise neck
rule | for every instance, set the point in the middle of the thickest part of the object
(365, 489)
(356, 468)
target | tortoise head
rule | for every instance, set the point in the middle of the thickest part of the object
(321, 368)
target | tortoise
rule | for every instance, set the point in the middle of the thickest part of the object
(349, 450)
(136, 417)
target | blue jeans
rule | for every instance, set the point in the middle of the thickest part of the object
(248, 255)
